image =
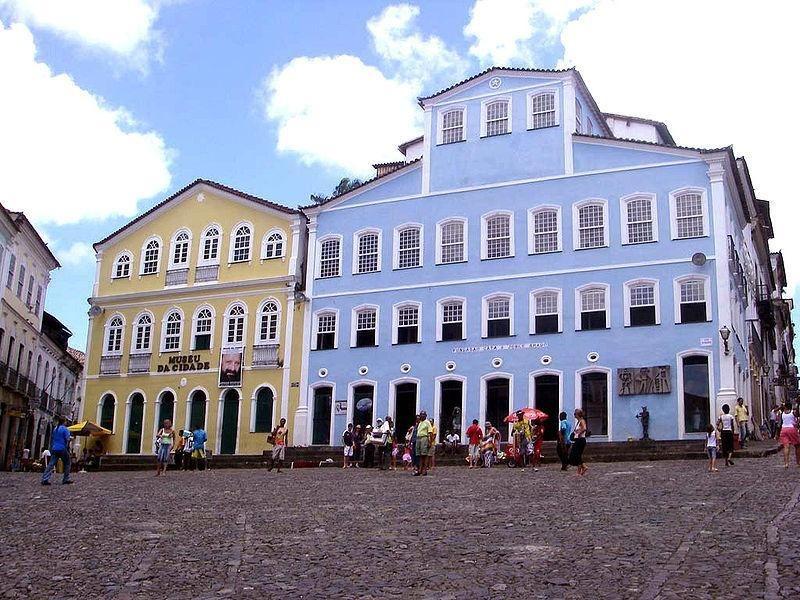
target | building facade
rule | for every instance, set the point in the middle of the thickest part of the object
(194, 317)
(531, 250)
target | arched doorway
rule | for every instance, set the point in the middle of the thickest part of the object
(594, 400)
(262, 420)
(166, 408)
(451, 407)
(107, 405)
(230, 422)
(546, 398)
(321, 417)
(197, 410)
(405, 407)
(498, 405)
(135, 421)
(363, 404)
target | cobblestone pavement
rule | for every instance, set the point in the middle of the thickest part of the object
(626, 530)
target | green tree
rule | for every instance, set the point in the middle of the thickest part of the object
(344, 186)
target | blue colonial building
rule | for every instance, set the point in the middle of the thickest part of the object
(531, 250)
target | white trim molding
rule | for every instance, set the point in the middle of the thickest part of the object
(232, 245)
(354, 323)
(624, 202)
(275, 404)
(392, 411)
(532, 212)
(202, 262)
(676, 294)
(532, 308)
(356, 254)
(440, 113)
(396, 245)
(576, 234)
(709, 354)
(578, 305)
(440, 316)
(265, 241)
(485, 311)
(338, 326)
(529, 104)
(465, 243)
(318, 263)
(309, 433)
(673, 213)
(484, 233)
(484, 120)
(609, 395)
(626, 297)
(395, 317)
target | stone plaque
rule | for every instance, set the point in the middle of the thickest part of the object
(634, 381)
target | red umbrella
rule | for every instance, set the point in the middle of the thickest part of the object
(528, 413)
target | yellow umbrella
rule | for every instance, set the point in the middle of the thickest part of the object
(88, 428)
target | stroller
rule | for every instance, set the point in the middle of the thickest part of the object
(513, 456)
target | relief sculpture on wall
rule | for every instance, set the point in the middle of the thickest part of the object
(633, 381)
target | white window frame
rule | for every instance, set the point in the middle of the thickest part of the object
(623, 215)
(157, 239)
(484, 234)
(202, 262)
(484, 114)
(606, 288)
(107, 334)
(135, 333)
(167, 313)
(626, 297)
(232, 245)
(485, 311)
(465, 224)
(315, 332)
(257, 339)
(576, 234)
(318, 266)
(117, 262)
(673, 211)
(532, 308)
(195, 319)
(440, 315)
(532, 212)
(529, 105)
(396, 245)
(676, 295)
(356, 239)
(354, 322)
(265, 241)
(226, 321)
(396, 320)
(440, 123)
(172, 246)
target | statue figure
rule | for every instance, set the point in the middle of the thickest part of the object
(644, 417)
(626, 383)
(662, 384)
(644, 381)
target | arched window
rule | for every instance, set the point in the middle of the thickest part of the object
(209, 245)
(330, 253)
(451, 319)
(592, 307)
(496, 117)
(406, 319)
(203, 329)
(273, 245)
(408, 246)
(689, 214)
(114, 332)
(365, 321)
(240, 250)
(498, 315)
(325, 330)
(692, 300)
(639, 219)
(151, 254)
(498, 236)
(641, 303)
(542, 111)
(107, 406)
(451, 246)
(234, 324)
(122, 266)
(451, 126)
(264, 402)
(590, 225)
(173, 328)
(197, 410)
(545, 230)
(166, 408)
(143, 333)
(546, 309)
(180, 249)
(268, 322)
(368, 257)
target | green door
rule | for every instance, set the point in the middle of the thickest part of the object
(135, 419)
(230, 422)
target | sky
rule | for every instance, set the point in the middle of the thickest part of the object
(109, 106)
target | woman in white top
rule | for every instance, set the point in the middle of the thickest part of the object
(711, 448)
(789, 435)
(726, 425)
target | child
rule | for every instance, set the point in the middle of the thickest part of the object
(395, 452)
(711, 448)
(407, 457)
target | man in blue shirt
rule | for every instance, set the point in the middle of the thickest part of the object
(59, 448)
(564, 441)
(199, 448)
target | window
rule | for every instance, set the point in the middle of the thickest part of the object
(496, 117)
(12, 265)
(452, 126)
(173, 325)
(203, 329)
(151, 253)
(114, 331)
(38, 304)
(241, 244)
(641, 303)
(545, 234)
(498, 316)
(542, 112)
(578, 117)
(451, 246)
(234, 324)
(209, 245)
(20, 281)
(122, 266)
(180, 249)
(688, 214)
(29, 292)
(142, 333)
(592, 307)
(326, 330)
(408, 246)
(107, 405)
(546, 310)
(451, 320)
(367, 259)
(693, 301)
(273, 245)
(407, 324)
(639, 219)
(589, 220)
(366, 323)
(330, 252)
(268, 321)
(498, 236)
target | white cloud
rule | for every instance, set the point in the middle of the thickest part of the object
(518, 32)
(339, 112)
(79, 253)
(66, 154)
(720, 77)
(399, 42)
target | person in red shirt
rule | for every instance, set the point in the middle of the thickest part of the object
(474, 435)
(538, 440)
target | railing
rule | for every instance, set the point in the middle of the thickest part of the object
(139, 363)
(177, 277)
(109, 365)
(206, 273)
(266, 355)
(11, 378)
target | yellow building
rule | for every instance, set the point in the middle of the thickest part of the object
(208, 278)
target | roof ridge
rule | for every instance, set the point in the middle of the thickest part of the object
(490, 69)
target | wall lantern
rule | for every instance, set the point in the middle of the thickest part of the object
(725, 333)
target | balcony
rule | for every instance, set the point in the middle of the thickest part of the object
(109, 365)
(266, 355)
(139, 363)
(177, 277)
(206, 273)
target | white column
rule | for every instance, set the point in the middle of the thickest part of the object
(568, 122)
(288, 340)
(726, 386)
(301, 415)
(426, 151)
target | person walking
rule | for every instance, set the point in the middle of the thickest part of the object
(432, 450)
(179, 447)
(522, 435)
(774, 422)
(474, 435)
(412, 439)
(381, 436)
(59, 448)
(199, 438)
(538, 441)
(563, 442)
(424, 440)
(388, 443)
(742, 420)
(358, 446)
(789, 435)
(578, 443)
(726, 424)
(166, 437)
(711, 448)
(279, 445)
(347, 440)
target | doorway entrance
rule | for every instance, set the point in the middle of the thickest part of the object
(135, 419)
(498, 405)
(594, 399)
(197, 411)
(363, 401)
(321, 420)
(405, 407)
(451, 396)
(546, 399)
(230, 422)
